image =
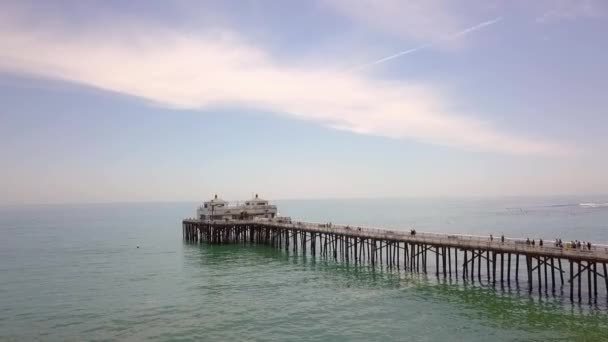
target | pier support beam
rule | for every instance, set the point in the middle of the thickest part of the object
(350, 247)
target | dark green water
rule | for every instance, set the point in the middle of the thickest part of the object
(74, 273)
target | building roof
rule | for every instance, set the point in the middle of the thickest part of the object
(257, 198)
(216, 199)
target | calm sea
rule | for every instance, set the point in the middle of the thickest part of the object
(74, 273)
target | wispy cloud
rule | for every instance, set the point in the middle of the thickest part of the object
(416, 20)
(427, 45)
(572, 9)
(216, 69)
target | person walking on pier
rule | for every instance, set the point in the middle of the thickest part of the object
(540, 242)
(502, 239)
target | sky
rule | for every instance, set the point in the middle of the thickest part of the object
(111, 101)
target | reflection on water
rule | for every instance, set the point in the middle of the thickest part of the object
(501, 309)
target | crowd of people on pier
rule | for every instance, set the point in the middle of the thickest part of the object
(574, 244)
(533, 242)
(580, 245)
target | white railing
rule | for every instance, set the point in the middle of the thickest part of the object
(516, 244)
(444, 235)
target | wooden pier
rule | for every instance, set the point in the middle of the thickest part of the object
(548, 269)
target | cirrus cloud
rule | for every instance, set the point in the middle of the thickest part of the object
(572, 9)
(219, 69)
(418, 20)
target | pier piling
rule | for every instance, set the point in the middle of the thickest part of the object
(402, 251)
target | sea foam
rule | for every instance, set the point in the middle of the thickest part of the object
(593, 205)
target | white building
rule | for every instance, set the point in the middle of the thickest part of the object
(218, 209)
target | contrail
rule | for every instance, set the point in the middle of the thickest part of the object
(427, 45)
(398, 54)
(474, 28)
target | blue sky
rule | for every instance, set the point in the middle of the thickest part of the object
(177, 100)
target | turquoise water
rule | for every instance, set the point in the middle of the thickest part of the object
(75, 273)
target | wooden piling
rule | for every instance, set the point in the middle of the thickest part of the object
(589, 280)
(540, 278)
(437, 261)
(464, 266)
(529, 267)
(517, 268)
(579, 280)
(552, 276)
(473, 266)
(494, 268)
(488, 266)
(595, 280)
(449, 261)
(606, 278)
(502, 268)
(571, 281)
(349, 246)
(509, 269)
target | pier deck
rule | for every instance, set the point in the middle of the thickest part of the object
(408, 251)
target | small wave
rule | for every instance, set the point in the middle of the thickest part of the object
(593, 205)
(565, 205)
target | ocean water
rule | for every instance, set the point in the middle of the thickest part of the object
(74, 273)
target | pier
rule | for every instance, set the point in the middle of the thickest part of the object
(580, 273)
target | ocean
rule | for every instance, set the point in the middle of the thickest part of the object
(100, 272)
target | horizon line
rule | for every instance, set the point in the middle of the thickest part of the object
(131, 202)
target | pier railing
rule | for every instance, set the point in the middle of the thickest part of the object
(429, 234)
(456, 240)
